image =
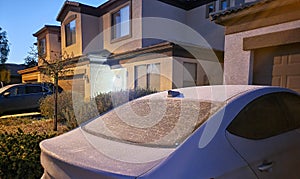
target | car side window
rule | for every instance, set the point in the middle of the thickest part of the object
(21, 90)
(33, 89)
(261, 119)
(292, 103)
(14, 91)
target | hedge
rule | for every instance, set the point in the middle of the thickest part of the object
(20, 154)
(102, 103)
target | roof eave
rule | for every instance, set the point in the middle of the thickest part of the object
(247, 9)
(75, 7)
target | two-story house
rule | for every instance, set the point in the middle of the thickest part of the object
(156, 44)
(48, 42)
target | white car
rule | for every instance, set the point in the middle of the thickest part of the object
(200, 132)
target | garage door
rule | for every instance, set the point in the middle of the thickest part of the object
(286, 71)
(73, 83)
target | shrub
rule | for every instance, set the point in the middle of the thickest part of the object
(108, 101)
(73, 110)
(20, 154)
(64, 101)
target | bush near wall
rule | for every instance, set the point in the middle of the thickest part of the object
(102, 103)
(108, 101)
(64, 103)
(20, 152)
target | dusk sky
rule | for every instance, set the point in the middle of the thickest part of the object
(22, 18)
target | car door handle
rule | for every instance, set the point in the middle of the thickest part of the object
(265, 167)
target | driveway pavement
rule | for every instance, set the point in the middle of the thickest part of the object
(21, 115)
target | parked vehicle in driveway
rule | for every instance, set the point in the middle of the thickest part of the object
(50, 86)
(200, 132)
(22, 97)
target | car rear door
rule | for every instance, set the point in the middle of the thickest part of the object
(265, 134)
(33, 95)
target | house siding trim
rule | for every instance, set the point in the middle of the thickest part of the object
(254, 16)
(272, 39)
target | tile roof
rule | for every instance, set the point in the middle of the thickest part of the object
(50, 28)
(109, 5)
(86, 9)
(187, 4)
(237, 9)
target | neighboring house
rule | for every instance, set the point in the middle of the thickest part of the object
(48, 42)
(12, 71)
(262, 43)
(156, 44)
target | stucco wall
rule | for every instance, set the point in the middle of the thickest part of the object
(195, 18)
(75, 49)
(159, 18)
(53, 45)
(211, 32)
(130, 43)
(237, 62)
(90, 26)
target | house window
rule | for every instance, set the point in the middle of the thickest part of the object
(210, 8)
(224, 4)
(42, 47)
(239, 2)
(70, 30)
(121, 23)
(189, 74)
(147, 76)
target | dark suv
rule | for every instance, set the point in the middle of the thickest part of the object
(21, 97)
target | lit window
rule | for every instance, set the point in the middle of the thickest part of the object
(42, 46)
(120, 23)
(224, 4)
(147, 76)
(70, 30)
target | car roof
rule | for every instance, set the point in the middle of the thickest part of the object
(218, 93)
(17, 84)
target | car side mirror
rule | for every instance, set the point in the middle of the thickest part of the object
(6, 94)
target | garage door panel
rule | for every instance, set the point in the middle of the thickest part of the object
(286, 71)
(293, 82)
(294, 59)
(276, 81)
(277, 60)
(73, 83)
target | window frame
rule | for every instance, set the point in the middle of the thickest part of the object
(148, 75)
(220, 4)
(16, 88)
(207, 8)
(196, 73)
(114, 39)
(73, 19)
(34, 86)
(43, 54)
